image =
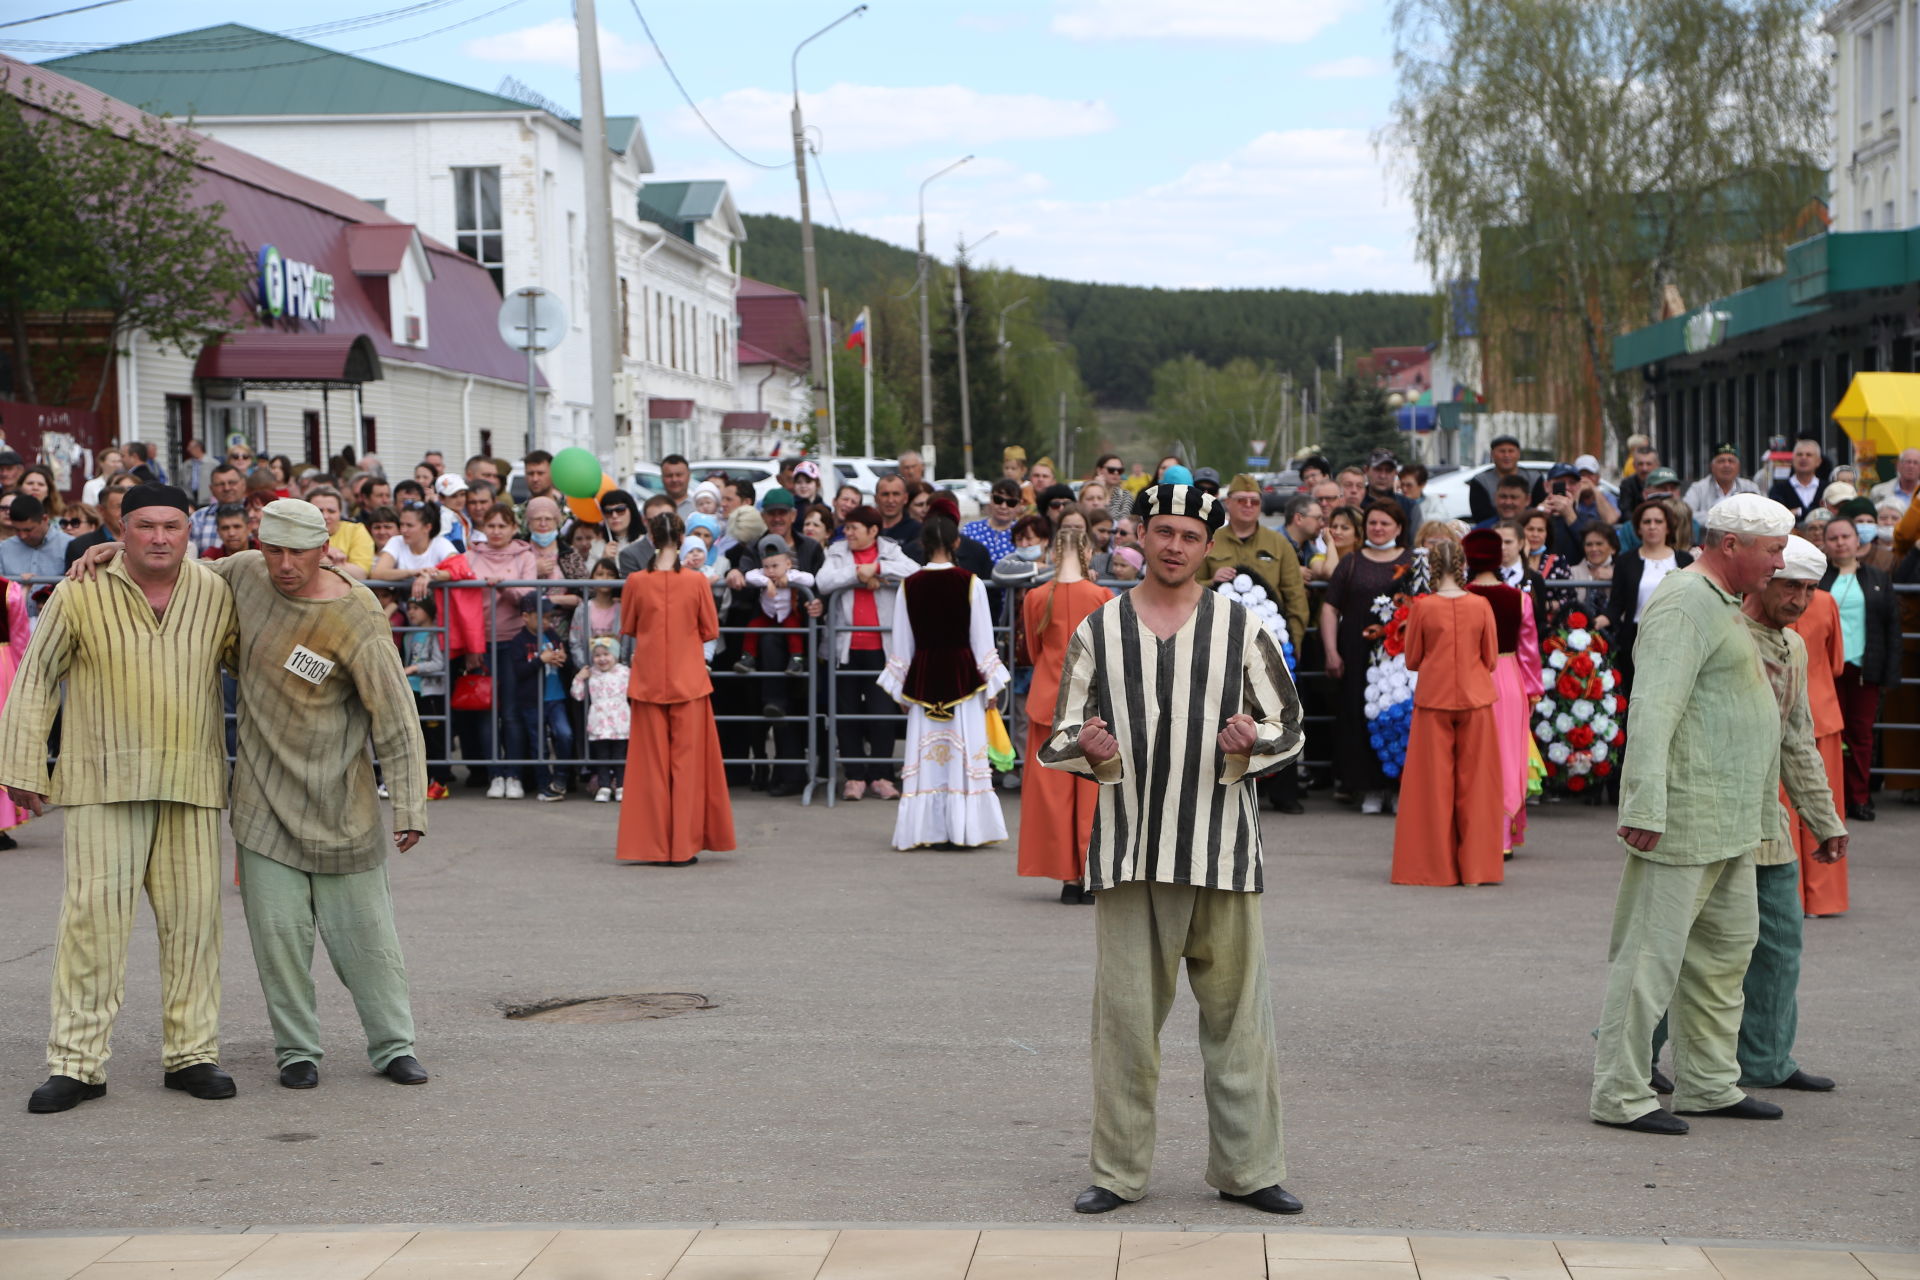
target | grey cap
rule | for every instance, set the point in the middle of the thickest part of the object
(773, 545)
(1206, 473)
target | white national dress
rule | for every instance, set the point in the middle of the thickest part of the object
(946, 782)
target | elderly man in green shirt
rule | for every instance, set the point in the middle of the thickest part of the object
(1695, 793)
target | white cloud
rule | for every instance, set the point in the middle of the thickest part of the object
(1359, 67)
(1267, 21)
(556, 44)
(855, 117)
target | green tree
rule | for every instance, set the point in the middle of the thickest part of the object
(1580, 158)
(1356, 422)
(1212, 417)
(138, 252)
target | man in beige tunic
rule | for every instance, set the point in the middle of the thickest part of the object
(143, 775)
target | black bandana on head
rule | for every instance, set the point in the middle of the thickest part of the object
(1179, 500)
(151, 494)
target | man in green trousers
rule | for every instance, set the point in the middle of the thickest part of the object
(1698, 795)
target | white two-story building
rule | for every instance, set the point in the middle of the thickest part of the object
(1876, 114)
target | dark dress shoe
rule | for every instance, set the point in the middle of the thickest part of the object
(406, 1069)
(1807, 1082)
(1745, 1109)
(1273, 1199)
(299, 1075)
(1070, 894)
(204, 1080)
(1655, 1121)
(1659, 1082)
(1098, 1200)
(62, 1093)
(1086, 897)
(1860, 812)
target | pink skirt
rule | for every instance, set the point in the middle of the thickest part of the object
(1512, 720)
(11, 815)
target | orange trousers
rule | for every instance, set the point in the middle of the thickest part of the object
(1451, 823)
(1823, 885)
(1056, 815)
(676, 800)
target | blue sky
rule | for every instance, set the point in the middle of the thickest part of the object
(1164, 142)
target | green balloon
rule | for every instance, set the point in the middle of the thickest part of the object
(576, 473)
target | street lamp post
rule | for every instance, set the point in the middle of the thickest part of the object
(816, 345)
(926, 343)
(960, 345)
(1001, 328)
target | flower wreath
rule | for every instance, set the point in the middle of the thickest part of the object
(1389, 699)
(1579, 723)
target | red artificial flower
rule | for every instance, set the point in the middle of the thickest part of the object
(1577, 620)
(1619, 703)
(1598, 646)
(1568, 685)
(1619, 738)
(1395, 644)
(1581, 665)
(1576, 783)
(1553, 643)
(1553, 769)
(1604, 768)
(1580, 736)
(1594, 691)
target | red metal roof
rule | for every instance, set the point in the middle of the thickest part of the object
(267, 355)
(745, 421)
(658, 408)
(309, 221)
(376, 248)
(750, 354)
(773, 321)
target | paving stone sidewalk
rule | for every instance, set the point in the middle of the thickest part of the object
(776, 1253)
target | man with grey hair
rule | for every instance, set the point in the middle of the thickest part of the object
(1693, 795)
(912, 467)
(1905, 485)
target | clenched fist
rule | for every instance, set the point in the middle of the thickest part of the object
(1098, 745)
(1238, 737)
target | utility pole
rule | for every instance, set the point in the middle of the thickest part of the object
(602, 284)
(1066, 459)
(926, 333)
(816, 348)
(960, 334)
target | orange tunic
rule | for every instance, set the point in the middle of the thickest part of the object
(1056, 808)
(680, 803)
(1823, 885)
(1450, 822)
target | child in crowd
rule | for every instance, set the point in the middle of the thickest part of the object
(706, 498)
(230, 522)
(698, 553)
(426, 672)
(545, 634)
(599, 615)
(603, 688)
(784, 592)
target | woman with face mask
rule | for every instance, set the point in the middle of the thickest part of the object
(1874, 553)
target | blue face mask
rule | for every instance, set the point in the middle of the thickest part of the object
(544, 539)
(1029, 553)
(1868, 532)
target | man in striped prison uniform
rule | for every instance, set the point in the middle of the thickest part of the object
(1176, 699)
(143, 775)
(319, 675)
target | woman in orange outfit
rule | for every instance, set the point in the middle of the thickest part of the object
(1449, 825)
(679, 787)
(1823, 885)
(1056, 808)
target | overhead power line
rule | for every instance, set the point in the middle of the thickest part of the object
(688, 98)
(228, 43)
(61, 13)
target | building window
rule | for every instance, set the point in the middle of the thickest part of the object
(369, 435)
(486, 442)
(310, 431)
(626, 316)
(1863, 68)
(179, 430)
(478, 232)
(1889, 66)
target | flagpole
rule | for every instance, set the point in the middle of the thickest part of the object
(866, 370)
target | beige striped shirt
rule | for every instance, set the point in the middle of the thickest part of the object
(143, 714)
(317, 679)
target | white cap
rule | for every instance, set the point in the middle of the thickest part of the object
(1804, 562)
(1838, 492)
(1750, 514)
(449, 484)
(1587, 462)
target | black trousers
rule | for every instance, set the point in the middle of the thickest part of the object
(610, 767)
(866, 746)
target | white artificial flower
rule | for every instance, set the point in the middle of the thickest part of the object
(1582, 709)
(1242, 583)
(1578, 638)
(1607, 680)
(1543, 731)
(1609, 704)
(1558, 753)
(1602, 727)
(1581, 762)
(1598, 750)
(1564, 722)
(1545, 707)
(1557, 660)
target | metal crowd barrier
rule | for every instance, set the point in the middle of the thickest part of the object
(818, 714)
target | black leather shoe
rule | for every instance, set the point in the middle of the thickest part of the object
(1655, 1121)
(1860, 813)
(1070, 894)
(1273, 1199)
(204, 1080)
(1098, 1200)
(1659, 1082)
(300, 1075)
(1745, 1109)
(406, 1069)
(62, 1093)
(1807, 1082)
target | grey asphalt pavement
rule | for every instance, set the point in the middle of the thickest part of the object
(903, 1038)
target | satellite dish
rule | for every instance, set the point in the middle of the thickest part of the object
(532, 319)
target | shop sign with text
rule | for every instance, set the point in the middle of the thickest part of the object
(293, 290)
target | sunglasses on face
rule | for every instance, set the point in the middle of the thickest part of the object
(1006, 502)
(72, 522)
(1059, 502)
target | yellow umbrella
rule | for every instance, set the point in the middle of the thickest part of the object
(1881, 412)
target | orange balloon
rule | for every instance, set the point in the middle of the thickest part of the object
(606, 485)
(587, 509)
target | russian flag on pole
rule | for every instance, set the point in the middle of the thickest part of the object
(857, 335)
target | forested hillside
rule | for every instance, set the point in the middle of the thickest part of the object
(1120, 333)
